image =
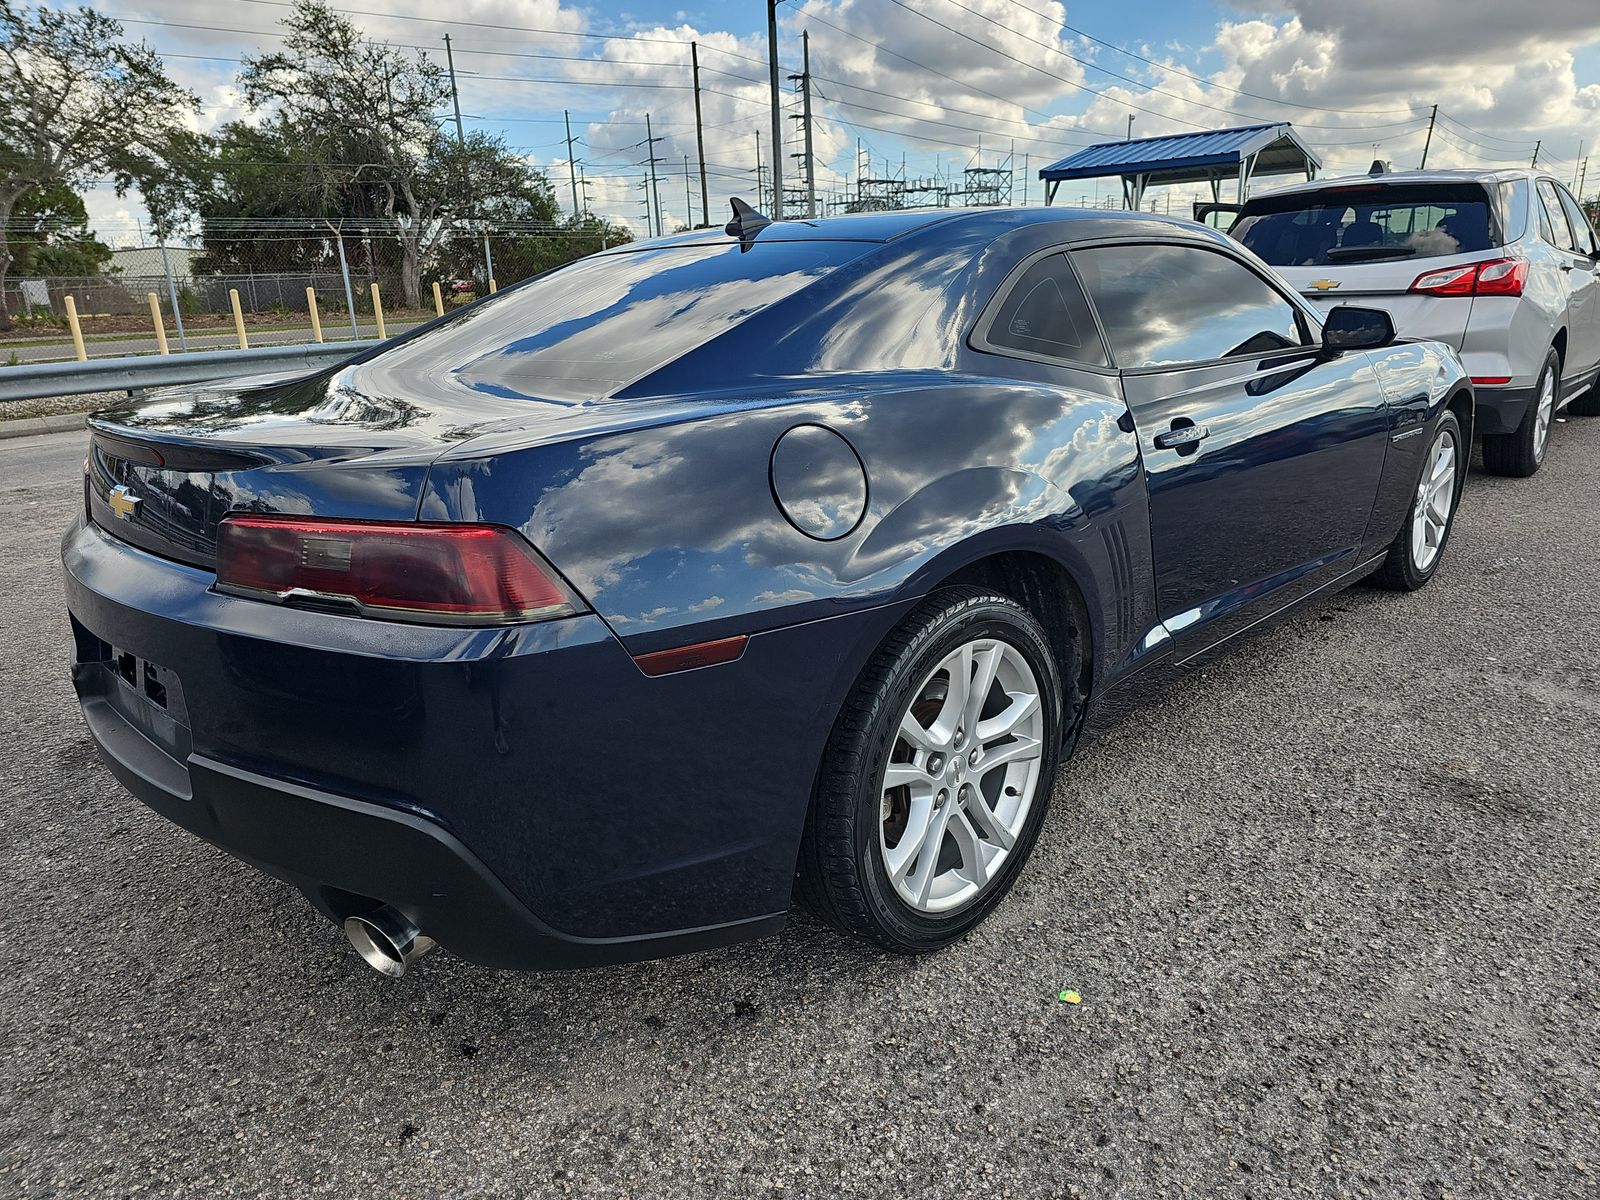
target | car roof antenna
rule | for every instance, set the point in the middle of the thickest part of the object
(747, 222)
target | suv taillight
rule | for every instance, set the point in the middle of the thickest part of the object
(434, 574)
(1497, 277)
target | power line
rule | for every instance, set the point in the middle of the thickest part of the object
(270, 33)
(1036, 67)
(1517, 142)
(943, 75)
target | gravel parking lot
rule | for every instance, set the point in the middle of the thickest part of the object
(1331, 904)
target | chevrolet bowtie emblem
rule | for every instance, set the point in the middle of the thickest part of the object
(1325, 285)
(123, 502)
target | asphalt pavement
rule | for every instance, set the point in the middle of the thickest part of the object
(1331, 904)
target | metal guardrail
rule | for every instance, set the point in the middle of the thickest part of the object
(35, 381)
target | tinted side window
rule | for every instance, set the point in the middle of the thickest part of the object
(1177, 304)
(1514, 208)
(1558, 219)
(1045, 313)
(1581, 229)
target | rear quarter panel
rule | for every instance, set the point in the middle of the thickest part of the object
(674, 535)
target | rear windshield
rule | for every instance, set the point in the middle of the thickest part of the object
(1367, 223)
(589, 328)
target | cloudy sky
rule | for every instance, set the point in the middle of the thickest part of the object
(932, 87)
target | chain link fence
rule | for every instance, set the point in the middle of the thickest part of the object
(278, 271)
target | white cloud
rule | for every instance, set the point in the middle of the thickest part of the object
(1364, 71)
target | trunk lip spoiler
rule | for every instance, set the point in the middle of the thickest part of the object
(172, 453)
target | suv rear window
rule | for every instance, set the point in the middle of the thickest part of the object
(1368, 223)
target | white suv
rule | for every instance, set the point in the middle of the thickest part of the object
(1500, 265)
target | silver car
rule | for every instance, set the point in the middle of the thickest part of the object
(1500, 265)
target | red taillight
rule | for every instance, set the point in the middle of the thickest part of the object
(1502, 277)
(1497, 277)
(436, 574)
(1452, 281)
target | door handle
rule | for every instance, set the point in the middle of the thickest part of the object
(1568, 266)
(1181, 437)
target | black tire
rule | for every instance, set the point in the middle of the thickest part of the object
(1400, 571)
(842, 876)
(1520, 454)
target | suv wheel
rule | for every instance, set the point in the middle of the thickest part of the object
(1522, 452)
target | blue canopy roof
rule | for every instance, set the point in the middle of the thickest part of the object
(1192, 157)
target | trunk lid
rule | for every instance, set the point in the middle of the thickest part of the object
(1366, 241)
(161, 475)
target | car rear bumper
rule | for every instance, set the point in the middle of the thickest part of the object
(1501, 409)
(526, 794)
(344, 853)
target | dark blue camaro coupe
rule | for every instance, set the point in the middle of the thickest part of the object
(596, 620)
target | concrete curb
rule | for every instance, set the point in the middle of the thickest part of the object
(30, 426)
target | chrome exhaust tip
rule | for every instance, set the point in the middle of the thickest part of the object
(387, 940)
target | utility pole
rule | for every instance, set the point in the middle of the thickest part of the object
(1130, 127)
(650, 140)
(688, 205)
(1024, 178)
(1575, 163)
(572, 166)
(1583, 177)
(700, 136)
(649, 217)
(777, 113)
(466, 179)
(455, 96)
(1536, 147)
(805, 120)
(1434, 116)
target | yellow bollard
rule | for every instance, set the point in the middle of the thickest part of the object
(493, 287)
(77, 331)
(438, 300)
(155, 319)
(377, 312)
(311, 307)
(238, 318)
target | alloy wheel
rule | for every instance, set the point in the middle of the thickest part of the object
(1436, 494)
(1544, 415)
(962, 776)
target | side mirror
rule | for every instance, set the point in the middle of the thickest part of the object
(1352, 328)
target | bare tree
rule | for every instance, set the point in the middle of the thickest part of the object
(76, 101)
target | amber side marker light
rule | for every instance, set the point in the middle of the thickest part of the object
(686, 658)
(398, 571)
